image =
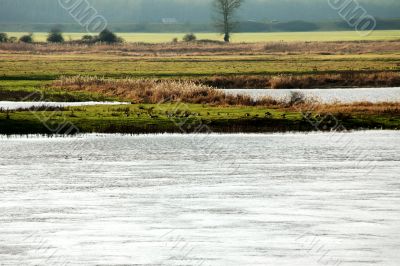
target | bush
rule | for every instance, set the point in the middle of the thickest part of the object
(55, 36)
(88, 39)
(296, 97)
(189, 37)
(12, 39)
(3, 37)
(26, 38)
(108, 36)
(175, 40)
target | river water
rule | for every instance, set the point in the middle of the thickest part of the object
(329, 95)
(267, 199)
(9, 105)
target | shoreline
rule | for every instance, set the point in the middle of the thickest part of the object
(105, 135)
(197, 118)
(220, 131)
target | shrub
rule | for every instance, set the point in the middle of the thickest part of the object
(175, 40)
(296, 97)
(190, 37)
(3, 37)
(120, 40)
(88, 39)
(26, 38)
(55, 36)
(12, 39)
(108, 36)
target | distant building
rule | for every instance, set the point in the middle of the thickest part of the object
(169, 21)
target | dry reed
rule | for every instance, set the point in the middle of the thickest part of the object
(365, 108)
(207, 48)
(159, 91)
(346, 79)
(156, 91)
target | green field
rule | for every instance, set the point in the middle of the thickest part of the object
(241, 37)
(45, 67)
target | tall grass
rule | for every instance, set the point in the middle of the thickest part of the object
(287, 81)
(150, 91)
(209, 48)
(349, 79)
(365, 108)
(156, 91)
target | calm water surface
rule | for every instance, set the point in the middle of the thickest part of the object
(16, 105)
(273, 199)
(329, 95)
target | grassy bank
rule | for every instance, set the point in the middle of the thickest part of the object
(158, 108)
(185, 107)
(194, 118)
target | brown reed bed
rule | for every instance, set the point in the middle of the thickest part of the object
(287, 81)
(157, 91)
(151, 91)
(207, 48)
(365, 108)
(135, 49)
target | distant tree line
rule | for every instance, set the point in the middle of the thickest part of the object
(56, 36)
(24, 38)
(106, 36)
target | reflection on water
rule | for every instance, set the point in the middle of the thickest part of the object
(17, 105)
(329, 95)
(273, 199)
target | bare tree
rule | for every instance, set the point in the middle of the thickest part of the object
(226, 10)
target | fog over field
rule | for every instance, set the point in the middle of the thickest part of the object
(194, 11)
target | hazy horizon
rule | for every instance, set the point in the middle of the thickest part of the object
(195, 11)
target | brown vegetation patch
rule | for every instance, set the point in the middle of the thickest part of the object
(347, 79)
(366, 108)
(157, 91)
(207, 48)
(160, 91)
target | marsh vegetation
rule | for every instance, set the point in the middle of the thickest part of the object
(190, 73)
